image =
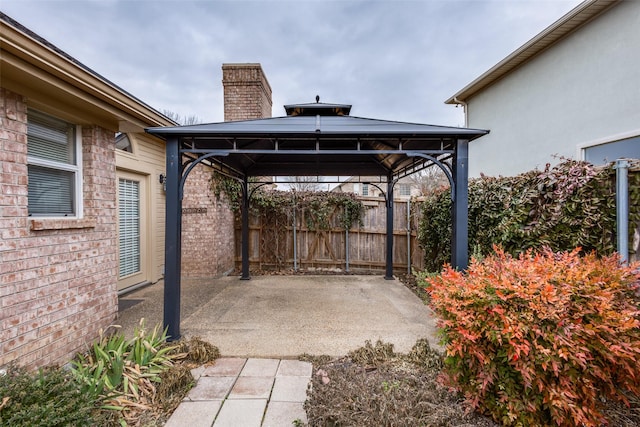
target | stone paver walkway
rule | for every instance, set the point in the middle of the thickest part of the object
(246, 392)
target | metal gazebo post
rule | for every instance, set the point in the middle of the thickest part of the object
(173, 228)
(245, 229)
(460, 208)
(389, 255)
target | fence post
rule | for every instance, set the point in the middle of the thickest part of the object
(622, 208)
(346, 249)
(295, 238)
(408, 236)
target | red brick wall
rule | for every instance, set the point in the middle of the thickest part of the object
(57, 277)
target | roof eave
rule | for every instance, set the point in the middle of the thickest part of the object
(462, 133)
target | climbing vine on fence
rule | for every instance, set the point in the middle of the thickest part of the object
(569, 205)
(316, 206)
(320, 210)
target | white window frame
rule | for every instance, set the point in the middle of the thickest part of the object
(132, 144)
(75, 169)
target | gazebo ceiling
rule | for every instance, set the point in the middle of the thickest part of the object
(326, 143)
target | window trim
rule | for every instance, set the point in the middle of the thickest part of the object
(581, 148)
(132, 143)
(76, 169)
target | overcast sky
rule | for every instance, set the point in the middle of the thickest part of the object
(390, 59)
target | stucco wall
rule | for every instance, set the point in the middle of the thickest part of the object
(57, 276)
(584, 88)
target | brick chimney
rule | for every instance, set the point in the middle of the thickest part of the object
(247, 93)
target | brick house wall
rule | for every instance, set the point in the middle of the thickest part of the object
(208, 243)
(57, 276)
(207, 228)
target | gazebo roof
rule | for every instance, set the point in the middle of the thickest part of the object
(319, 125)
(318, 144)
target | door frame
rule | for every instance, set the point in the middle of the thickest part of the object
(142, 275)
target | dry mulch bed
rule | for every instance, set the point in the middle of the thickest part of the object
(373, 386)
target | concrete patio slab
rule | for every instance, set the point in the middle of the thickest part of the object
(211, 388)
(285, 316)
(281, 414)
(290, 389)
(294, 368)
(194, 414)
(260, 367)
(245, 413)
(225, 367)
(252, 388)
(196, 373)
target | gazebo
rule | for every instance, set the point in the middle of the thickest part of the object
(314, 139)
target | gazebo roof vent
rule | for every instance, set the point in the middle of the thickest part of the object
(318, 109)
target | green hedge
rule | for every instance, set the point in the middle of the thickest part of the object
(569, 205)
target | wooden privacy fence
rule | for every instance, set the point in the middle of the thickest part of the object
(294, 246)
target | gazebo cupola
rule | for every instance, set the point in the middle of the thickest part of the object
(317, 109)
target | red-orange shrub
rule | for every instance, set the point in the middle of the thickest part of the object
(539, 339)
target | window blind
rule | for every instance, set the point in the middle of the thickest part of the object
(50, 138)
(50, 191)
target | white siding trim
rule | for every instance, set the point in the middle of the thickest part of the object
(79, 174)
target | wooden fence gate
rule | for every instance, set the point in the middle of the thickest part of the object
(294, 246)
